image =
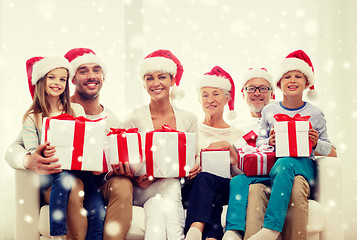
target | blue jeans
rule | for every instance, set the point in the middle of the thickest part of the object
(238, 200)
(205, 199)
(61, 186)
(281, 178)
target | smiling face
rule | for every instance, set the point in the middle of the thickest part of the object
(158, 84)
(213, 101)
(56, 81)
(293, 83)
(257, 100)
(88, 79)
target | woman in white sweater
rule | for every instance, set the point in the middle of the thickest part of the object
(161, 198)
(205, 195)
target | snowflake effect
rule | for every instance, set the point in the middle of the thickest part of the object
(112, 228)
(28, 219)
(58, 215)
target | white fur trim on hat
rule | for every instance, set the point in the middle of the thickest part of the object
(87, 58)
(47, 64)
(291, 64)
(257, 73)
(214, 81)
(153, 64)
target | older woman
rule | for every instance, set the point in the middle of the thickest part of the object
(206, 194)
(161, 198)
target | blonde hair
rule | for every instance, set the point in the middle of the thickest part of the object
(40, 106)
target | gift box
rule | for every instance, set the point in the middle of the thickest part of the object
(168, 153)
(124, 145)
(292, 136)
(78, 141)
(248, 139)
(254, 161)
(216, 161)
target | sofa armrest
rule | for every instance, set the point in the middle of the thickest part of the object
(27, 205)
(330, 196)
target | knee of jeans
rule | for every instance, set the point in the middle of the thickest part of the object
(300, 190)
(120, 187)
(205, 176)
(237, 179)
(284, 164)
(259, 191)
(76, 196)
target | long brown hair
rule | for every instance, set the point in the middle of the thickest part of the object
(40, 106)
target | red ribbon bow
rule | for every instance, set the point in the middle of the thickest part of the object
(78, 141)
(121, 131)
(284, 117)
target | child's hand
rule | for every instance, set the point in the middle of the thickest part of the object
(313, 136)
(49, 150)
(272, 138)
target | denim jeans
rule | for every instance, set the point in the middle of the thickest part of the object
(61, 186)
(204, 197)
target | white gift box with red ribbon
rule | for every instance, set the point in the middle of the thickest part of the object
(256, 161)
(216, 161)
(124, 145)
(78, 141)
(292, 136)
(167, 153)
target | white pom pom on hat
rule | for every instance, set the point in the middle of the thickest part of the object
(300, 61)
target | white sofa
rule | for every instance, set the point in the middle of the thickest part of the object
(325, 216)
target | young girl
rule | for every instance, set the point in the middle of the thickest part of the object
(48, 84)
(295, 74)
(161, 198)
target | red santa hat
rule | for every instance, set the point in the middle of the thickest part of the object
(38, 67)
(164, 61)
(79, 56)
(300, 61)
(218, 78)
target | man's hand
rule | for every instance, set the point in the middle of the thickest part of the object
(121, 170)
(143, 181)
(41, 165)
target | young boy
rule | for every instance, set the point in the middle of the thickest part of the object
(295, 74)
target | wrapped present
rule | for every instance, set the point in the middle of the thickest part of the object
(216, 161)
(254, 161)
(292, 136)
(248, 139)
(168, 153)
(78, 141)
(124, 145)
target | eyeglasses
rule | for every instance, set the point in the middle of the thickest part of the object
(262, 89)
